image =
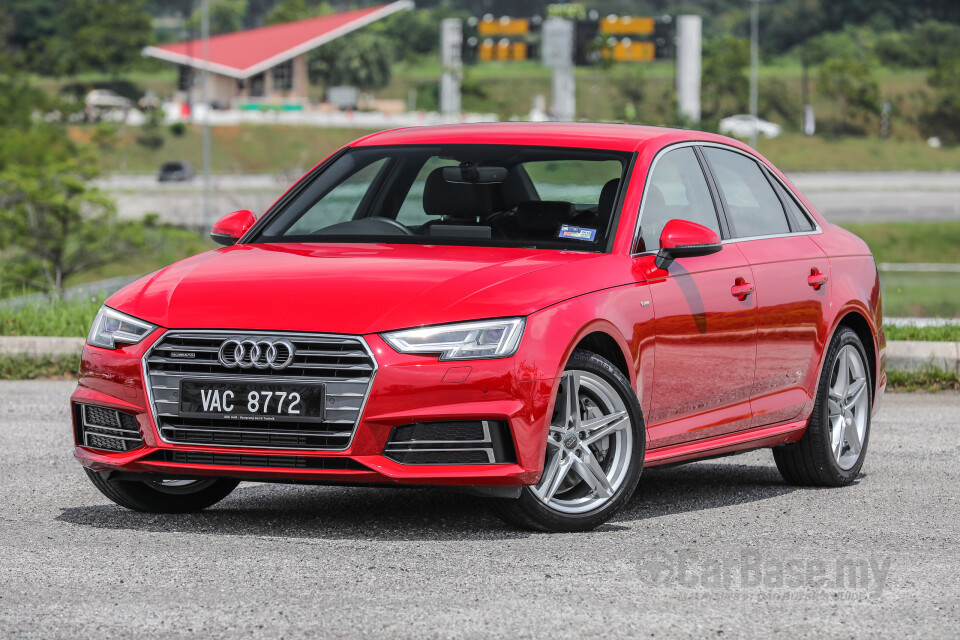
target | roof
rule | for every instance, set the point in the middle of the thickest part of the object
(617, 137)
(246, 53)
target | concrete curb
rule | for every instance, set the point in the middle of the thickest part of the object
(901, 355)
(914, 355)
(40, 346)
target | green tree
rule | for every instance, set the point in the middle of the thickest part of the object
(293, 10)
(725, 82)
(226, 16)
(850, 82)
(96, 35)
(942, 119)
(53, 223)
(360, 59)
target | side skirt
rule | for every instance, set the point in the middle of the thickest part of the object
(726, 444)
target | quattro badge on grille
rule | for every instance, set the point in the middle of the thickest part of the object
(261, 353)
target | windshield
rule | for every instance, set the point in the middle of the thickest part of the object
(486, 195)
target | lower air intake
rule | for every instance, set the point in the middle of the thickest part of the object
(262, 462)
(106, 429)
(453, 442)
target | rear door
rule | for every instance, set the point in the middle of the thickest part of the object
(792, 279)
(705, 344)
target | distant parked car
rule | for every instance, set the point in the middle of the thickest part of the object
(106, 99)
(743, 125)
(175, 171)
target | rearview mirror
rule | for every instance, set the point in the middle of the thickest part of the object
(472, 173)
(231, 227)
(685, 239)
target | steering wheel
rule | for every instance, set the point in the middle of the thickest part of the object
(374, 225)
(393, 223)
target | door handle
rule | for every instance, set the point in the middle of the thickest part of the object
(817, 279)
(741, 289)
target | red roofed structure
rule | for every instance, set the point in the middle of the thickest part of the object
(269, 62)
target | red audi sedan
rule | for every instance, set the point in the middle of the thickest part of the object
(532, 312)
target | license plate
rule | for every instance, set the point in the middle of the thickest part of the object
(252, 401)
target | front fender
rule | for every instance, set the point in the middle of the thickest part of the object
(623, 313)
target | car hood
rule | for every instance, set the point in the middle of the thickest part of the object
(360, 288)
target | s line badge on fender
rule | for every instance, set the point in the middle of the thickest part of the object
(532, 312)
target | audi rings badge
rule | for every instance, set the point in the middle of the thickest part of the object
(256, 354)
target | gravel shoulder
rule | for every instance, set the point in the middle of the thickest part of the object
(711, 548)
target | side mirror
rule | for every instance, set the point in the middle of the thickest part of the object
(685, 239)
(231, 227)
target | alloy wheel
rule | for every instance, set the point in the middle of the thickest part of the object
(589, 445)
(848, 406)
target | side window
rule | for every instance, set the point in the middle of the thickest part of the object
(752, 205)
(411, 211)
(340, 204)
(677, 191)
(800, 220)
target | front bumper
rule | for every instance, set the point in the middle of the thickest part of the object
(406, 389)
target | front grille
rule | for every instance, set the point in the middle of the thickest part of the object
(263, 462)
(453, 442)
(106, 429)
(344, 364)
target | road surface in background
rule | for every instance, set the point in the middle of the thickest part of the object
(841, 197)
(716, 547)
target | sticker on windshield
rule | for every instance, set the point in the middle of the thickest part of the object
(577, 233)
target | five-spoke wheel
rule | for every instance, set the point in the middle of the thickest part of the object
(589, 446)
(594, 451)
(831, 451)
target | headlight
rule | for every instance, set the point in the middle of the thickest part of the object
(461, 341)
(111, 328)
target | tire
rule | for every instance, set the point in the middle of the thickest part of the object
(605, 437)
(831, 452)
(163, 496)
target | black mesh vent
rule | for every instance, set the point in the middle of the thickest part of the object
(103, 417)
(447, 431)
(262, 462)
(106, 429)
(440, 457)
(453, 442)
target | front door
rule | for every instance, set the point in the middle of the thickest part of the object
(705, 315)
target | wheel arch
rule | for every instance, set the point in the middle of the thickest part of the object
(604, 345)
(861, 326)
(857, 319)
(604, 339)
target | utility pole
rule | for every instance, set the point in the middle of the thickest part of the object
(557, 52)
(689, 66)
(451, 61)
(205, 37)
(754, 63)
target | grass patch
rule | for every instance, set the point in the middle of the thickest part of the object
(25, 367)
(921, 295)
(946, 333)
(916, 294)
(911, 241)
(929, 379)
(796, 152)
(71, 318)
(234, 149)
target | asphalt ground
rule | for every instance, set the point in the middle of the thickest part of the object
(716, 548)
